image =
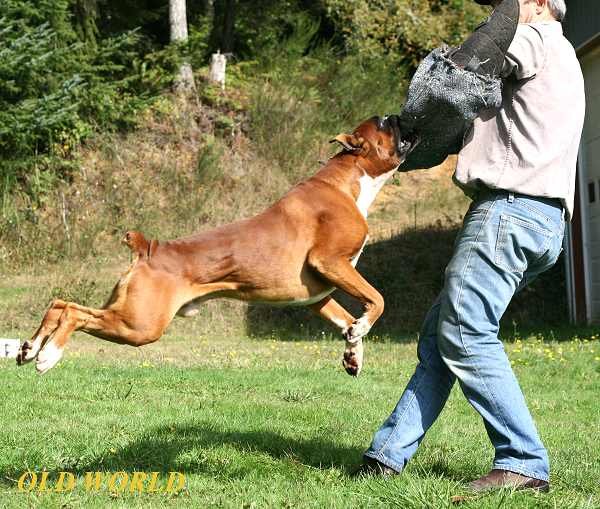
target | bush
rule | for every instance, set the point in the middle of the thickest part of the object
(405, 30)
(303, 97)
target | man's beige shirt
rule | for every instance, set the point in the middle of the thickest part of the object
(530, 145)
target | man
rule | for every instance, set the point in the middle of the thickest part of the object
(519, 163)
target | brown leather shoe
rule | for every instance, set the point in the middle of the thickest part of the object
(498, 479)
(372, 467)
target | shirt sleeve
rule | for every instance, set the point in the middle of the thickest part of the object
(526, 54)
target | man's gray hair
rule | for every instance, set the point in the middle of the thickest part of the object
(558, 8)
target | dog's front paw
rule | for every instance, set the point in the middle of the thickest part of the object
(353, 354)
(353, 357)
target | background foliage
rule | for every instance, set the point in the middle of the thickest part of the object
(69, 68)
(93, 143)
(404, 30)
(55, 88)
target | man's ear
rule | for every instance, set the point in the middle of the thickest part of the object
(541, 4)
(350, 142)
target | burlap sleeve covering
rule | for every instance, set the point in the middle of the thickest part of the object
(442, 102)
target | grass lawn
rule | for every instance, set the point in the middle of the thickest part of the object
(268, 423)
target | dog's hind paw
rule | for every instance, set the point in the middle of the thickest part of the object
(29, 350)
(48, 358)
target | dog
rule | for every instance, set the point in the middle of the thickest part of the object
(296, 252)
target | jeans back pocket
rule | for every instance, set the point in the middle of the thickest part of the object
(519, 243)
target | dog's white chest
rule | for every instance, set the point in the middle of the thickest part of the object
(369, 188)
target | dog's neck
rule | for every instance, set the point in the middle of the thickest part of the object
(369, 189)
(356, 178)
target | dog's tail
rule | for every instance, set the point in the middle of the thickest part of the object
(138, 244)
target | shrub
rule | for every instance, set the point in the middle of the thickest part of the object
(56, 89)
(406, 30)
(301, 98)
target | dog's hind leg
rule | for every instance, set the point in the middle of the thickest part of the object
(137, 313)
(332, 311)
(50, 322)
(110, 324)
(140, 307)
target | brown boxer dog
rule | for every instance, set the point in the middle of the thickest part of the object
(296, 252)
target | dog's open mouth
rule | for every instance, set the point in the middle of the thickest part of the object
(406, 143)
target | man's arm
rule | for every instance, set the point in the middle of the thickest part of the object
(526, 54)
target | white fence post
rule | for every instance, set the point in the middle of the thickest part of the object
(216, 74)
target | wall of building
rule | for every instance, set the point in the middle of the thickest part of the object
(582, 22)
(582, 27)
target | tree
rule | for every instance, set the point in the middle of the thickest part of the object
(224, 15)
(184, 80)
(228, 25)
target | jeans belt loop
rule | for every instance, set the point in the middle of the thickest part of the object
(511, 197)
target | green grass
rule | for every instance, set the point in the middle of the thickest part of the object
(266, 423)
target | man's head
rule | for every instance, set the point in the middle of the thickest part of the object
(533, 11)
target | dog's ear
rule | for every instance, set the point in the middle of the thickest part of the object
(350, 142)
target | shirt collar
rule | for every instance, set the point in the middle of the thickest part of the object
(554, 26)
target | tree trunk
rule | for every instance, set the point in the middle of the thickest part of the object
(222, 35)
(228, 25)
(184, 81)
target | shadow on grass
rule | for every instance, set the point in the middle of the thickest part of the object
(189, 449)
(408, 270)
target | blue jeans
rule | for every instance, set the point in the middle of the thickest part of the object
(505, 242)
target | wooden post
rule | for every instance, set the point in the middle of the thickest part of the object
(216, 74)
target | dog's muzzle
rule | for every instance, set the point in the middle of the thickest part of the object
(404, 141)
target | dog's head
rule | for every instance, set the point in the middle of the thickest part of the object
(379, 141)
